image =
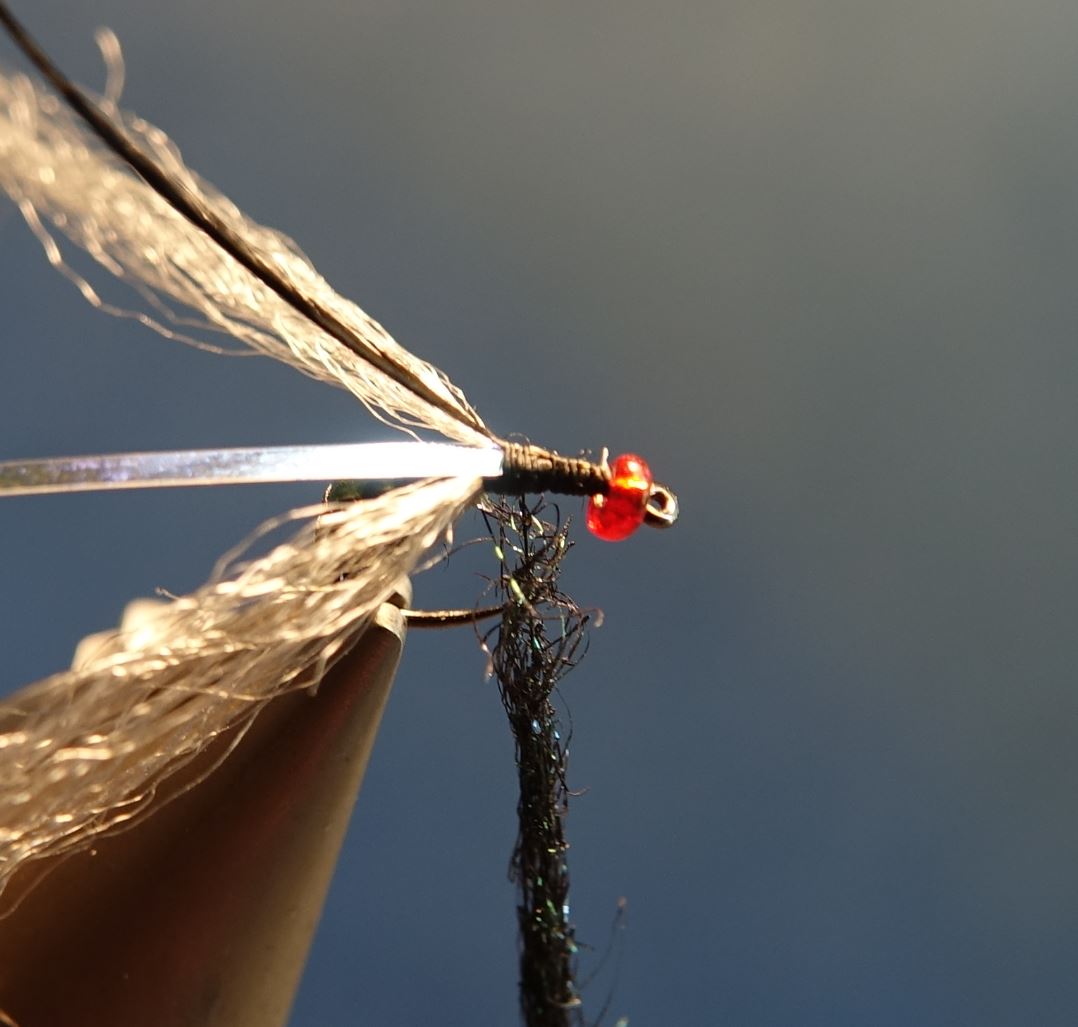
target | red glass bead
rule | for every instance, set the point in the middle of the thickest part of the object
(621, 511)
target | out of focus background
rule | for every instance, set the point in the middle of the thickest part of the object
(818, 262)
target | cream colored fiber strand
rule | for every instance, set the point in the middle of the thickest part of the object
(84, 750)
(65, 182)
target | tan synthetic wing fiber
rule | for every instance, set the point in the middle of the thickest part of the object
(84, 750)
(66, 183)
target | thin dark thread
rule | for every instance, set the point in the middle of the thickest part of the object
(540, 639)
(614, 949)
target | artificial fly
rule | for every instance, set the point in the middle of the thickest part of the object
(83, 751)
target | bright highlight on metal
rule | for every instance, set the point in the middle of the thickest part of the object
(378, 460)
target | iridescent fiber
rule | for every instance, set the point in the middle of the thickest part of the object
(540, 639)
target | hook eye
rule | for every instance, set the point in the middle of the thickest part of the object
(662, 508)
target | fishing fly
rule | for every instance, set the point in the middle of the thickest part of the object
(82, 751)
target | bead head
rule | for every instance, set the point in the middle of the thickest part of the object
(617, 514)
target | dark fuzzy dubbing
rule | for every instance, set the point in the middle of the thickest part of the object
(541, 637)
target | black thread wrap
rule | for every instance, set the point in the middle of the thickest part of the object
(532, 469)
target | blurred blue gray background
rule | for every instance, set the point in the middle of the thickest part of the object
(818, 263)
